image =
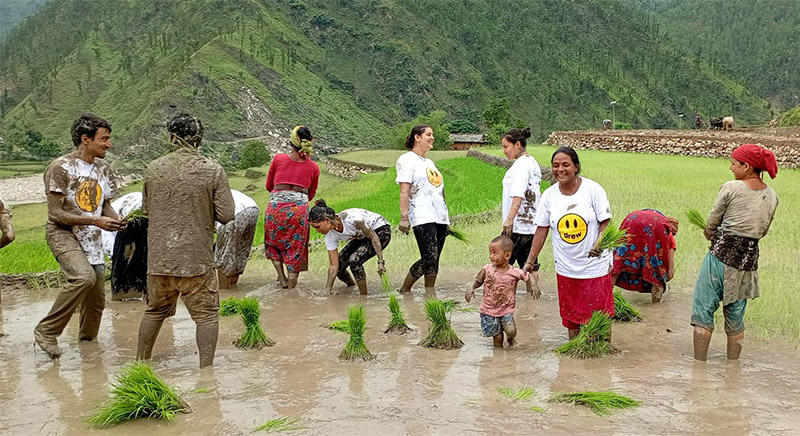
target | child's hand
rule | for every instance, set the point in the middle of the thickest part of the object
(469, 294)
(533, 289)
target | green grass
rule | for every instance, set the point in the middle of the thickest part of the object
(623, 310)
(440, 332)
(600, 403)
(16, 168)
(592, 341)
(356, 348)
(278, 425)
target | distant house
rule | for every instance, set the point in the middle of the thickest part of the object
(462, 141)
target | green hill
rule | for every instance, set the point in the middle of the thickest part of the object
(348, 68)
(12, 12)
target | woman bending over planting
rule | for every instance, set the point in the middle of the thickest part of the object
(647, 261)
(577, 209)
(291, 182)
(422, 207)
(368, 232)
(741, 216)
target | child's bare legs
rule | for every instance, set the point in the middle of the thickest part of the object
(498, 340)
(510, 329)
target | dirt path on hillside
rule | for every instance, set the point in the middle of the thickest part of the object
(406, 390)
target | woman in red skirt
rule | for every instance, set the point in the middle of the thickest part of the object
(577, 209)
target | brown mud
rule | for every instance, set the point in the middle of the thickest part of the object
(407, 389)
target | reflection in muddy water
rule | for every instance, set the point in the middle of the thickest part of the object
(407, 389)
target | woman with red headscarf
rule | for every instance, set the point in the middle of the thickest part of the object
(741, 216)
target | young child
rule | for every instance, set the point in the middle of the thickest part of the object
(499, 281)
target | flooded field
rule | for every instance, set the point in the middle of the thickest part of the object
(406, 390)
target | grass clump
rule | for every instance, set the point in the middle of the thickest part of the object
(279, 425)
(356, 348)
(594, 339)
(696, 219)
(253, 336)
(229, 306)
(339, 326)
(520, 394)
(612, 237)
(398, 322)
(138, 393)
(600, 403)
(440, 334)
(458, 235)
(623, 310)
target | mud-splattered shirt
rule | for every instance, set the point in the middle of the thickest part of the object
(523, 180)
(349, 230)
(86, 188)
(184, 193)
(499, 289)
(426, 200)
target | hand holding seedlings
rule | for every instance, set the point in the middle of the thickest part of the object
(381, 267)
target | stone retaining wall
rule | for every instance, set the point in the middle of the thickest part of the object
(350, 170)
(547, 173)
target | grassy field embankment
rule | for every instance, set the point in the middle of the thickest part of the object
(16, 168)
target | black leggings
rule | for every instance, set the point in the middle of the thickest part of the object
(358, 251)
(522, 248)
(430, 240)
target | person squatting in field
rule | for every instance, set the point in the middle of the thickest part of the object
(234, 239)
(741, 216)
(368, 234)
(79, 188)
(184, 193)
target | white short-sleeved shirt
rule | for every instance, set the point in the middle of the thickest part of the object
(575, 220)
(426, 200)
(122, 206)
(349, 230)
(524, 180)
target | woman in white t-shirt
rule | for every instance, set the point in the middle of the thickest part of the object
(578, 209)
(368, 234)
(422, 207)
(521, 186)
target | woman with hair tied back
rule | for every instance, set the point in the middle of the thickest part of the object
(422, 207)
(368, 234)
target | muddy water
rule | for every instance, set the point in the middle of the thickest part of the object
(406, 390)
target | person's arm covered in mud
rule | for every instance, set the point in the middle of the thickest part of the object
(405, 192)
(6, 228)
(376, 244)
(56, 213)
(508, 225)
(224, 206)
(536, 246)
(479, 279)
(717, 212)
(333, 269)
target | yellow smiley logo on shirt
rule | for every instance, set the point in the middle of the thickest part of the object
(572, 228)
(88, 196)
(434, 177)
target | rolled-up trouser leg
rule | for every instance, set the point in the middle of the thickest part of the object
(81, 279)
(200, 294)
(93, 304)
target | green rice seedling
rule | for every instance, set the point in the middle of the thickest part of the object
(520, 394)
(623, 310)
(538, 409)
(592, 341)
(696, 218)
(339, 326)
(440, 333)
(229, 306)
(600, 403)
(397, 324)
(387, 285)
(280, 425)
(138, 393)
(356, 348)
(449, 305)
(253, 336)
(135, 215)
(612, 237)
(458, 235)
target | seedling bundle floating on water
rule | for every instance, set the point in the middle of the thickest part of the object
(458, 235)
(398, 322)
(339, 326)
(280, 424)
(229, 306)
(253, 336)
(600, 403)
(696, 218)
(356, 348)
(623, 310)
(138, 393)
(594, 339)
(440, 334)
(520, 394)
(612, 237)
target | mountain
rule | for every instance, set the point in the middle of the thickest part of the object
(12, 12)
(349, 68)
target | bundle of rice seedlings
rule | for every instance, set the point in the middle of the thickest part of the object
(600, 403)
(623, 310)
(387, 285)
(340, 326)
(612, 237)
(440, 333)
(253, 336)
(135, 215)
(398, 322)
(696, 218)
(279, 425)
(138, 393)
(459, 235)
(229, 306)
(449, 305)
(356, 348)
(592, 341)
(520, 394)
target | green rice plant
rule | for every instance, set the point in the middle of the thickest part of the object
(623, 310)
(449, 305)
(612, 237)
(356, 348)
(229, 306)
(387, 285)
(397, 324)
(135, 215)
(458, 235)
(280, 425)
(695, 218)
(339, 326)
(600, 403)
(538, 409)
(253, 336)
(594, 339)
(138, 393)
(520, 394)
(440, 333)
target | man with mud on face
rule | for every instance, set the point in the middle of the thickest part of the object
(183, 194)
(79, 187)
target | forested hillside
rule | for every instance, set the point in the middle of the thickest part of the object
(349, 68)
(12, 12)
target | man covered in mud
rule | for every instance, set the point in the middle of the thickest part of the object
(79, 187)
(183, 194)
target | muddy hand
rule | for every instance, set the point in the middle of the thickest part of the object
(533, 289)
(528, 267)
(381, 268)
(468, 295)
(595, 252)
(109, 224)
(405, 225)
(508, 229)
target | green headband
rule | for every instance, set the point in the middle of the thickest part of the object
(303, 144)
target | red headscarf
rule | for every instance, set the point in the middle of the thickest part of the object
(758, 157)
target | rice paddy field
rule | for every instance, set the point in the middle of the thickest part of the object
(14, 168)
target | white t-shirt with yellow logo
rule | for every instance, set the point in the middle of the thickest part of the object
(575, 223)
(426, 200)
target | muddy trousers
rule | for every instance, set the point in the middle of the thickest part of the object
(85, 289)
(430, 241)
(357, 252)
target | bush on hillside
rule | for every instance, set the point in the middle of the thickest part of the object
(253, 154)
(619, 125)
(495, 134)
(498, 111)
(791, 118)
(39, 147)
